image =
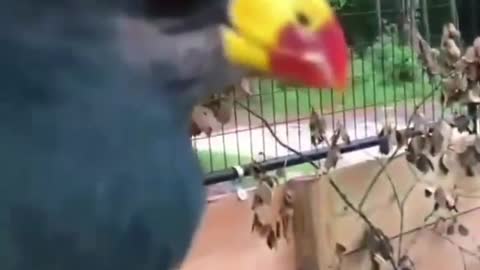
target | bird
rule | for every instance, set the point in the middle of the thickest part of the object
(97, 167)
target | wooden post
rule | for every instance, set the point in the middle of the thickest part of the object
(313, 224)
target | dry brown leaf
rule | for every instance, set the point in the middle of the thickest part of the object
(400, 138)
(318, 128)
(333, 156)
(471, 72)
(221, 105)
(459, 70)
(379, 244)
(203, 119)
(342, 131)
(418, 144)
(387, 138)
(245, 85)
(453, 31)
(450, 229)
(461, 122)
(443, 199)
(194, 130)
(273, 212)
(453, 50)
(469, 157)
(384, 145)
(462, 230)
(424, 164)
(257, 170)
(472, 96)
(441, 133)
(264, 192)
(470, 55)
(442, 166)
(419, 122)
(223, 113)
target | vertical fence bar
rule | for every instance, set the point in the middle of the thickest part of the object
(354, 94)
(272, 89)
(249, 118)
(365, 117)
(299, 132)
(237, 137)
(382, 56)
(260, 99)
(412, 30)
(393, 42)
(285, 121)
(374, 86)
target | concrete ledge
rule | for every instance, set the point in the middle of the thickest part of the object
(224, 239)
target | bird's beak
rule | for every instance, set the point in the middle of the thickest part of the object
(298, 41)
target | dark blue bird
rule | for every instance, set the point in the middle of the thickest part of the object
(97, 170)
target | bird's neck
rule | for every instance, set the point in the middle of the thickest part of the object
(193, 63)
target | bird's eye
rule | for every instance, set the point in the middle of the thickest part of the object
(303, 19)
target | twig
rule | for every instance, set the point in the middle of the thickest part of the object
(464, 262)
(274, 135)
(371, 226)
(401, 207)
(337, 189)
(462, 249)
(402, 218)
(401, 212)
(397, 149)
(334, 185)
(417, 107)
(414, 230)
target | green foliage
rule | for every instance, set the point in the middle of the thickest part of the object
(394, 63)
(339, 4)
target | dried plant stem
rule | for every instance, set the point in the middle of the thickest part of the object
(414, 230)
(395, 152)
(402, 219)
(275, 137)
(464, 262)
(401, 207)
(462, 249)
(337, 189)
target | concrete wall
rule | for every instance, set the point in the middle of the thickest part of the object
(224, 239)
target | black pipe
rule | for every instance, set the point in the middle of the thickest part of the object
(230, 174)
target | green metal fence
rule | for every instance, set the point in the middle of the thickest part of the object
(387, 80)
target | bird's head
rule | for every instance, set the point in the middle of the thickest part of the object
(298, 41)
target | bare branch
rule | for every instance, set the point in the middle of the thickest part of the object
(337, 189)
